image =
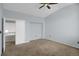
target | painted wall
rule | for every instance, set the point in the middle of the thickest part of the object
(27, 18)
(0, 28)
(37, 20)
(62, 26)
(20, 31)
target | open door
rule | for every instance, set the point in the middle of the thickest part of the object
(0, 29)
(0, 36)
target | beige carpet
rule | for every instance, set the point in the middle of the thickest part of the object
(40, 47)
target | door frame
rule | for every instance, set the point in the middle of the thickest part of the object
(3, 43)
(3, 31)
(2, 37)
(3, 34)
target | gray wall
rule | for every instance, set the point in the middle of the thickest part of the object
(0, 27)
(62, 26)
(36, 20)
(21, 16)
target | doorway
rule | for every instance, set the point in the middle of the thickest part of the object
(9, 35)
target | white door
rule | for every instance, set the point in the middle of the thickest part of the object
(36, 30)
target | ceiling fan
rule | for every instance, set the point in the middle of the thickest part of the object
(47, 5)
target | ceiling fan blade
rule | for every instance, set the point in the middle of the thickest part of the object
(52, 3)
(48, 7)
(42, 6)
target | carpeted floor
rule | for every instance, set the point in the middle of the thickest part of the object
(40, 47)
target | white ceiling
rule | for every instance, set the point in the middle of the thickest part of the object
(33, 8)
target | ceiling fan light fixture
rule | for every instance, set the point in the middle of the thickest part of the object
(42, 6)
